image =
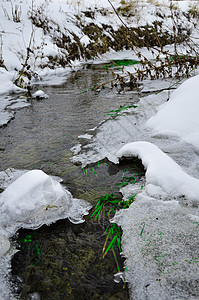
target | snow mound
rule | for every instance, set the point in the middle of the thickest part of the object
(35, 199)
(40, 95)
(163, 175)
(179, 116)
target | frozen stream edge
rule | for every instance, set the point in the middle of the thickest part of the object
(160, 229)
(31, 199)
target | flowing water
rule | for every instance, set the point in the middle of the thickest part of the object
(63, 261)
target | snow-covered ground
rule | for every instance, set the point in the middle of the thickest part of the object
(161, 226)
(37, 38)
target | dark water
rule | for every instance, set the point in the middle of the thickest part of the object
(40, 136)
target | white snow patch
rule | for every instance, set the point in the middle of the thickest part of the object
(163, 175)
(34, 199)
(85, 40)
(40, 95)
(179, 116)
(85, 136)
(7, 82)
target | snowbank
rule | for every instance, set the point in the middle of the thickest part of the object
(163, 175)
(6, 80)
(179, 116)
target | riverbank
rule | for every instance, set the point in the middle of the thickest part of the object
(51, 41)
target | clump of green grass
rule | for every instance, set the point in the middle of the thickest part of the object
(108, 204)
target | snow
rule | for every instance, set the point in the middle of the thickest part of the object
(85, 40)
(34, 199)
(179, 116)
(6, 79)
(160, 229)
(17, 33)
(59, 18)
(31, 199)
(163, 175)
(40, 95)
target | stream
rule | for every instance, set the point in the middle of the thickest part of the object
(63, 260)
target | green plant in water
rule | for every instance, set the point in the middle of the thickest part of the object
(115, 113)
(113, 231)
(28, 242)
(108, 205)
(104, 201)
(121, 63)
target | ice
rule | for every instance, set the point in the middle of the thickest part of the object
(85, 136)
(31, 199)
(76, 149)
(160, 242)
(113, 134)
(34, 199)
(160, 228)
(4, 245)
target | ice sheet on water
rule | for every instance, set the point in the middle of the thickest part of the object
(160, 229)
(31, 199)
(34, 199)
(160, 242)
(8, 105)
(6, 292)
